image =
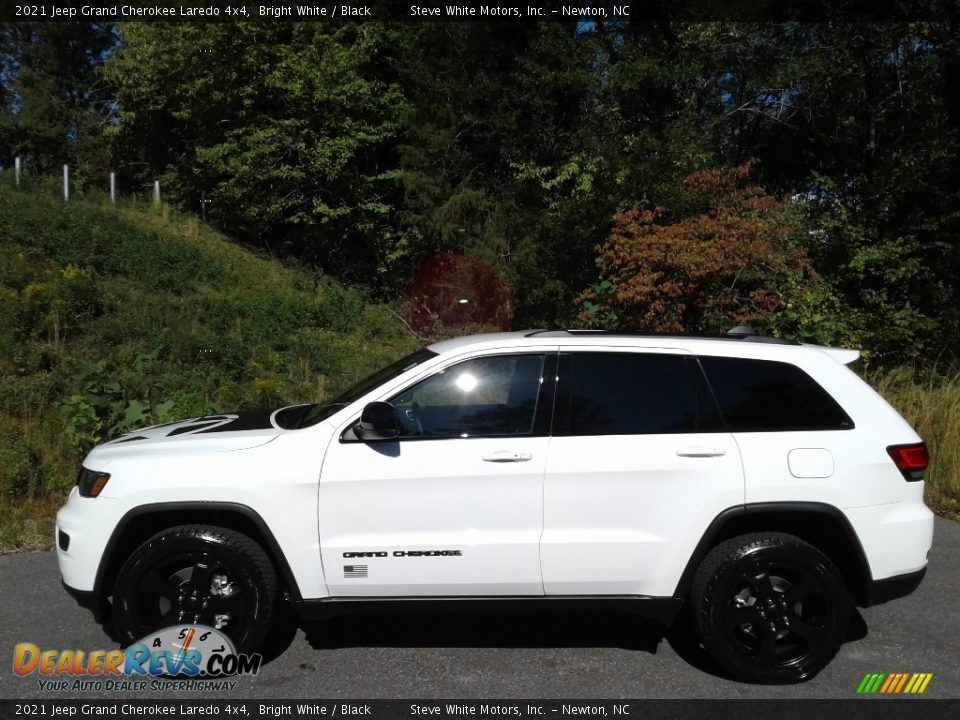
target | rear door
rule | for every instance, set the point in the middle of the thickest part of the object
(639, 464)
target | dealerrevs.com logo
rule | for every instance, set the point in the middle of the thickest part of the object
(188, 657)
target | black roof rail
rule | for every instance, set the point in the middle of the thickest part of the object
(744, 333)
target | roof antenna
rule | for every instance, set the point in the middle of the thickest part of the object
(742, 330)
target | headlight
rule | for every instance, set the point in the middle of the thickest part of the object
(91, 482)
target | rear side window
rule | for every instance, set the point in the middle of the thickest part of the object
(630, 394)
(762, 395)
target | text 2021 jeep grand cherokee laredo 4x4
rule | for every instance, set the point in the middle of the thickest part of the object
(761, 482)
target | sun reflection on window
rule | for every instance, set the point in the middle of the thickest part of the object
(467, 382)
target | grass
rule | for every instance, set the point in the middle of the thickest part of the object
(114, 317)
(932, 407)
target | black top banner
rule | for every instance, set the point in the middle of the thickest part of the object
(582, 11)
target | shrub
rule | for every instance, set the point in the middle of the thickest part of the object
(18, 473)
(731, 256)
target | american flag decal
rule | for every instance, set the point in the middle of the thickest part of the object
(354, 571)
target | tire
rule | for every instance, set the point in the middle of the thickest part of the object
(196, 574)
(769, 608)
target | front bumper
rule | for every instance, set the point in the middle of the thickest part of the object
(88, 600)
(87, 522)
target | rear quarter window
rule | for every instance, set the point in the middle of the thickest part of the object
(765, 396)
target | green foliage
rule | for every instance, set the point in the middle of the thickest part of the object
(930, 401)
(862, 121)
(293, 115)
(100, 408)
(165, 320)
(522, 141)
(51, 105)
(596, 308)
(731, 257)
(370, 149)
(813, 312)
(17, 467)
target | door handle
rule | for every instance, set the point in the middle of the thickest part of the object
(701, 451)
(503, 456)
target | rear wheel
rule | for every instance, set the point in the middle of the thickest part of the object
(196, 574)
(769, 608)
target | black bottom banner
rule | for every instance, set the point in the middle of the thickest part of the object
(865, 709)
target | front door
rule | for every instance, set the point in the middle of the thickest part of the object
(454, 507)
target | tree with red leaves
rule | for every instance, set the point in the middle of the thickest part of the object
(732, 258)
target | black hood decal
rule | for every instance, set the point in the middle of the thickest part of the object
(256, 420)
(128, 439)
(190, 428)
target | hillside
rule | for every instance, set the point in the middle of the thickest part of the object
(113, 318)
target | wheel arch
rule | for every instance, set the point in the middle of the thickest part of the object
(823, 526)
(141, 523)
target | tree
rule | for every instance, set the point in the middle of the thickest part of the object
(733, 258)
(287, 127)
(54, 106)
(862, 121)
(522, 141)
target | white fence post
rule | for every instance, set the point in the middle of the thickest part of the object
(16, 170)
(113, 188)
(156, 192)
(66, 183)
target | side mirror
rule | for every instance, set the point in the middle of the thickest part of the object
(379, 421)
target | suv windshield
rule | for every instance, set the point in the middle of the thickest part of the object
(319, 412)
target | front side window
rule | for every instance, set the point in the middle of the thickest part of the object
(484, 397)
(630, 394)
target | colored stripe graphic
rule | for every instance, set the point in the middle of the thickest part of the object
(918, 683)
(870, 683)
(894, 683)
(903, 679)
(891, 680)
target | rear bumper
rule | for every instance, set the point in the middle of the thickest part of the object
(891, 588)
(896, 537)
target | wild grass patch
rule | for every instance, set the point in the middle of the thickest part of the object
(112, 318)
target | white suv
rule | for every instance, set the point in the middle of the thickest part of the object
(761, 484)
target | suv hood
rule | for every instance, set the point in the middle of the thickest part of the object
(210, 433)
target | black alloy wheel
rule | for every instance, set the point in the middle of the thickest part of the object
(770, 608)
(196, 574)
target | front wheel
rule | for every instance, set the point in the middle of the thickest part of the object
(196, 574)
(769, 608)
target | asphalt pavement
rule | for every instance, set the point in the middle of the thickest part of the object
(554, 655)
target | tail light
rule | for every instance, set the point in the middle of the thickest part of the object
(911, 459)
